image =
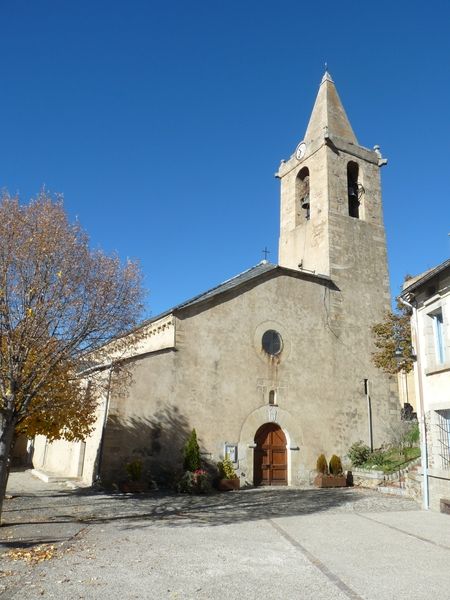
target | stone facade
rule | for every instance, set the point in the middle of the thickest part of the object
(218, 380)
(206, 368)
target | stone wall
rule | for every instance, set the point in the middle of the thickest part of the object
(218, 380)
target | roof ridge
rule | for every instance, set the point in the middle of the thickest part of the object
(194, 298)
(262, 263)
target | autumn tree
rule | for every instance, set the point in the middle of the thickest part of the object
(60, 301)
(392, 338)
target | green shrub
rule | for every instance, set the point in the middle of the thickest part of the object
(378, 458)
(134, 469)
(322, 465)
(358, 453)
(194, 482)
(335, 465)
(412, 437)
(191, 453)
(186, 483)
(226, 469)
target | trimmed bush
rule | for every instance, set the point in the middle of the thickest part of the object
(335, 465)
(191, 453)
(134, 469)
(322, 465)
(226, 469)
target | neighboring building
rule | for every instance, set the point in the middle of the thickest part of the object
(274, 365)
(429, 295)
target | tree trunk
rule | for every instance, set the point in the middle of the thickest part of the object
(7, 430)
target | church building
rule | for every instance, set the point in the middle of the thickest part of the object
(273, 366)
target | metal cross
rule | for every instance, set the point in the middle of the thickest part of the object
(265, 252)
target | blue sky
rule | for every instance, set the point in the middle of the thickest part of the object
(163, 123)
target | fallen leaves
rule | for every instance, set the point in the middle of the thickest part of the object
(6, 573)
(33, 555)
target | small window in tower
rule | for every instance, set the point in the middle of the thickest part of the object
(302, 194)
(353, 189)
(272, 397)
(271, 342)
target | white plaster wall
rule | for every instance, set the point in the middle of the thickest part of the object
(435, 376)
(71, 459)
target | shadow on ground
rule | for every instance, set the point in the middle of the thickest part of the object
(52, 515)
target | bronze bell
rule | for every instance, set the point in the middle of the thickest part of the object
(305, 201)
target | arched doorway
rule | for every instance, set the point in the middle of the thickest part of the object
(270, 456)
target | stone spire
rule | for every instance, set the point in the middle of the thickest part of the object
(328, 115)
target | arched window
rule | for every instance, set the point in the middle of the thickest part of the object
(353, 189)
(272, 397)
(302, 194)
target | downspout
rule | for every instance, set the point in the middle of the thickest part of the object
(105, 417)
(423, 427)
(369, 412)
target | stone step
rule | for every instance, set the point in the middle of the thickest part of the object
(389, 489)
(47, 477)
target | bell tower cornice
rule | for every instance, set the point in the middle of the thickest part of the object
(336, 144)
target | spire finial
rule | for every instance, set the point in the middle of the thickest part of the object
(326, 66)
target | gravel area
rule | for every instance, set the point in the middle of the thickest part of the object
(284, 543)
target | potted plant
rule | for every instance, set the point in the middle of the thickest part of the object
(228, 480)
(329, 476)
(134, 484)
(194, 482)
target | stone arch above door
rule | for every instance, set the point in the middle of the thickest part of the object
(271, 414)
(291, 429)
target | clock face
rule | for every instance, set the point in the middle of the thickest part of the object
(300, 152)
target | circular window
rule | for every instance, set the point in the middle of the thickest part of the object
(272, 342)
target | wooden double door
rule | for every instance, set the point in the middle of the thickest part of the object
(270, 456)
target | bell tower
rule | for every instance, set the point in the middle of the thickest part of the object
(331, 213)
(332, 225)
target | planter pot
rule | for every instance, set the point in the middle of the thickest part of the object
(330, 481)
(132, 487)
(225, 485)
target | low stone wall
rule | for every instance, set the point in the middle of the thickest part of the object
(367, 478)
(413, 484)
(404, 482)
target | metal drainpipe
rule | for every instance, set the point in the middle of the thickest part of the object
(423, 427)
(105, 417)
(369, 412)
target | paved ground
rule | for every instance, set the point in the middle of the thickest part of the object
(277, 544)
